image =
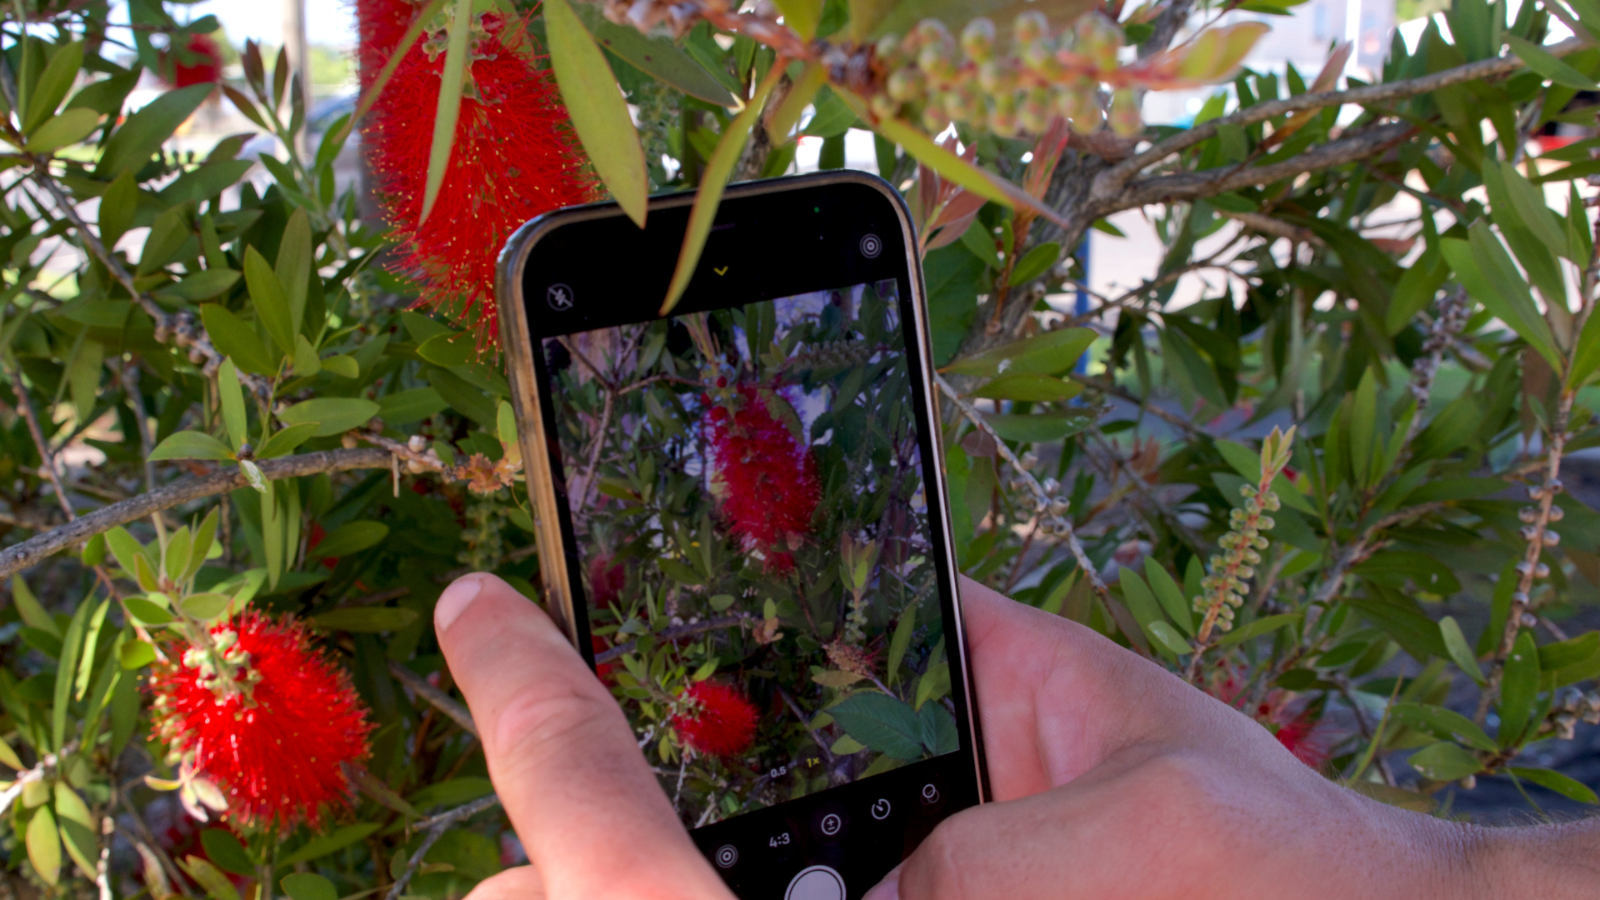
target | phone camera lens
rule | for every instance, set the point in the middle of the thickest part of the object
(871, 246)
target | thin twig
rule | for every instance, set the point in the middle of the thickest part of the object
(1043, 499)
(441, 701)
(47, 460)
(433, 829)
(677, 631)
(35, 549)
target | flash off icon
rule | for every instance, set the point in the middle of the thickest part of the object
(559, 296)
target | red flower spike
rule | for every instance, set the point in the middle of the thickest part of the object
(768, 479)
(514, 156)
(717, 720)
(276, 748)
(205, 65)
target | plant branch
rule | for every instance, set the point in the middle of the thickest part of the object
(1042, 499)
(678, 631)
(440, 700)
(37, 548)
(1538, 535)
(434, 829)
(1110, 183)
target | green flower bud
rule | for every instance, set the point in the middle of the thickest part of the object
(961, 105)
(1076, 103)
(1034, 113)
(1039, 55)
(907, 84)
(1099, 39)
(933, 119)
(1003, 115)
(977, 40)
(996, 77)
(1030, 26)
(938, 54)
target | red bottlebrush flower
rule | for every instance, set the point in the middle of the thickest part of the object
(1302, 737)
(205, 65)
(607, 578)
(275, 741)
(768, 479)
(514, 156)
(600, 645)
(717, 719)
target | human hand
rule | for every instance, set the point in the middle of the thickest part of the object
(588, 809)
(1115, 779)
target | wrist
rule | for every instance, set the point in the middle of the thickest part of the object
(1548, 862)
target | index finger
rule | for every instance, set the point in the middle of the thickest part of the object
(589, 811)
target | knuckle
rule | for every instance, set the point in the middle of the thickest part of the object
(543, 721)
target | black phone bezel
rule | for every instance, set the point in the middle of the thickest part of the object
(770, 239)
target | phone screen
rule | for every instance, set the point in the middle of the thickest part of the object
(747, 495)
(752, 546)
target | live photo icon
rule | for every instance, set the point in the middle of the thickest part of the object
(559, 296)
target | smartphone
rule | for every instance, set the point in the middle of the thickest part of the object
(742, 518)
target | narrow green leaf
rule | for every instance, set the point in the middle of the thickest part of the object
(1586, 358)
(1141, 601)
(236, 340)
(1442, 723)
(597, 109)
(1518, 689)
(1445, 761)
(227, 852)
(306, 362)
(308, 886)
(351, 537)
(190, 445)
(44, 845)
(1029, 387)
(713, 181)
(295, 262)
(1485, 269)
(1049, 353)
(333, 414)
(1567, 787)
(1551, 67)
(1035, 263)
(207, 875)
(230, 396)
(91, 640)
(205, 607)
(1261, 626)
(272, 305)
(68, 128)
(448, 111)
(1169, 595)
(32, 612)
(900, 642)
(656, 56)
(147, 612)
(1460, 651)
(285, 440)
(137, 138)
(71, 646)
(52, 85)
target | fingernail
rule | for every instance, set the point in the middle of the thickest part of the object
(888, 888)
(455, 599)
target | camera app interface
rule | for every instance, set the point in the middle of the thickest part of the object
(746, 490)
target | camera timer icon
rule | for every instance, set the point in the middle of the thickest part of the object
(871, 246)
(559, 296)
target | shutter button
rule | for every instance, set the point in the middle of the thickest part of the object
(816, 883)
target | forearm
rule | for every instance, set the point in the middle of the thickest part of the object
(1548, 862)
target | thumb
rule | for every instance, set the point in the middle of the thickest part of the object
(562, 756)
